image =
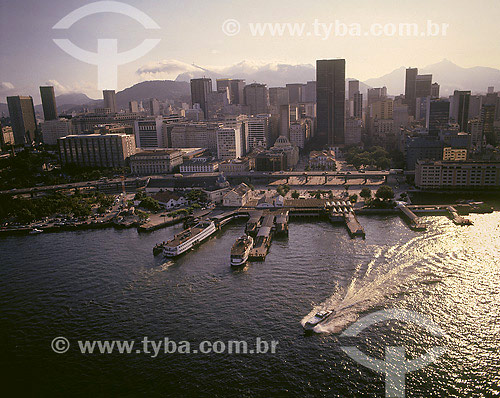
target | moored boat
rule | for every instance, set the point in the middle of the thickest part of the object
(241, 250)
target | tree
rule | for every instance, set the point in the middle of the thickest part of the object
(385, 192)
(295, 195)
(353, 198)
(366, 193)
(150, 204)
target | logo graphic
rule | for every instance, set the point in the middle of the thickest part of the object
(395, 366)
(107, 57)
(231, 27)
(60, 345)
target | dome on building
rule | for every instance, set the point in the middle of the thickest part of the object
(282, 141)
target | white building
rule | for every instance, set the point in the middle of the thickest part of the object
(199, 165)
(194, 135)
(54, 129)
(157, 161)
(238, 196)
(229, 143)
(149, 133)
(257, 132)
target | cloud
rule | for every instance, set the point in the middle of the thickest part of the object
(59, 88)
(6, 88)
(273, 74)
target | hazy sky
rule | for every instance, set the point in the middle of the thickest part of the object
(191, 33)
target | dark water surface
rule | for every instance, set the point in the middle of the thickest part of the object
(106, 285)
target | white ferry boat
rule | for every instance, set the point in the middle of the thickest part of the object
(241, 250)
(187, 239)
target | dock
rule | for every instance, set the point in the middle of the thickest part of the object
(353, 226)
(263, 239)
(456, 218)
(254, 222)
(282, 223)
(414, 223)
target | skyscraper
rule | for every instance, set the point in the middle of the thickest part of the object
(353, 88)
(199, 92)
(357, 105)
(310, 91)
(257, 98)
(278, 96)
(330, 97)
(22, 117)
(235, 88)
(410, 87)
(437, 116)
(295, 92)
(109, 100)
(488, 123)
(423, 86)
(133, 107)
(48, 102)
(461, 100)
(435, 91)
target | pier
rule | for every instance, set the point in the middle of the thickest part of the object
(353, 226)
(282, 223)
(254, 222)
(263, 239)
(412, 218)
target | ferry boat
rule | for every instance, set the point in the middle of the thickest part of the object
(186, 240)
(35, 231)
(241, 250)
(317, 319)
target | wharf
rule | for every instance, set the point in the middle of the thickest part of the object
(263, 239)
(282, 223)
(353, 226)
(412, 218)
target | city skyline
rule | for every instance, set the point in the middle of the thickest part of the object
(183, 46)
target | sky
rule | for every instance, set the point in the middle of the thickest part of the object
(191, 33)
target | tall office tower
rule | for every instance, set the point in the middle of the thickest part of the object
(229, 143)
(353, 130)
(491, 89)
(48, 102)
(295, 92)
(235, 88)
(357, 105)
(353, 89)
(199, 92)
(110, 100)
(288, 114)
(376, 94)
(437, 116)
(133, 107)
(278, 96)
(382, 109)
(310, 91)
(22, 118)
(488, 123)
(154, 107)
(460, 112)
(256, 132)
(423, 85)
(257, 98)
(410, 86)
(435, 91)
(149, 133)
(330, 98)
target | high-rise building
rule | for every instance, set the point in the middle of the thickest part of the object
(488, 123)
(491, 89)
(353, 89)
(376, 94)
(295, 92)
(357, 105)
(22, 118)
(110, 100)
(48, 102)
(278, 96)
(235, 88)
(199, 92)
(353, 130)
(257, 132)
(435, 90)
(257, 98)
(149, 133)
(460, 110)
(54, 129)
(410, 86)
(330, 98)
(229, 143)
(437, 116)
(382, 109)
(423, 85)
(154, 107)
(133, 107)
(310, 91)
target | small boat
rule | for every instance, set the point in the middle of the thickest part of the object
(35, 231)
(241, 250)
(319, 317)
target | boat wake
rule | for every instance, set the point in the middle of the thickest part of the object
(390, 275)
